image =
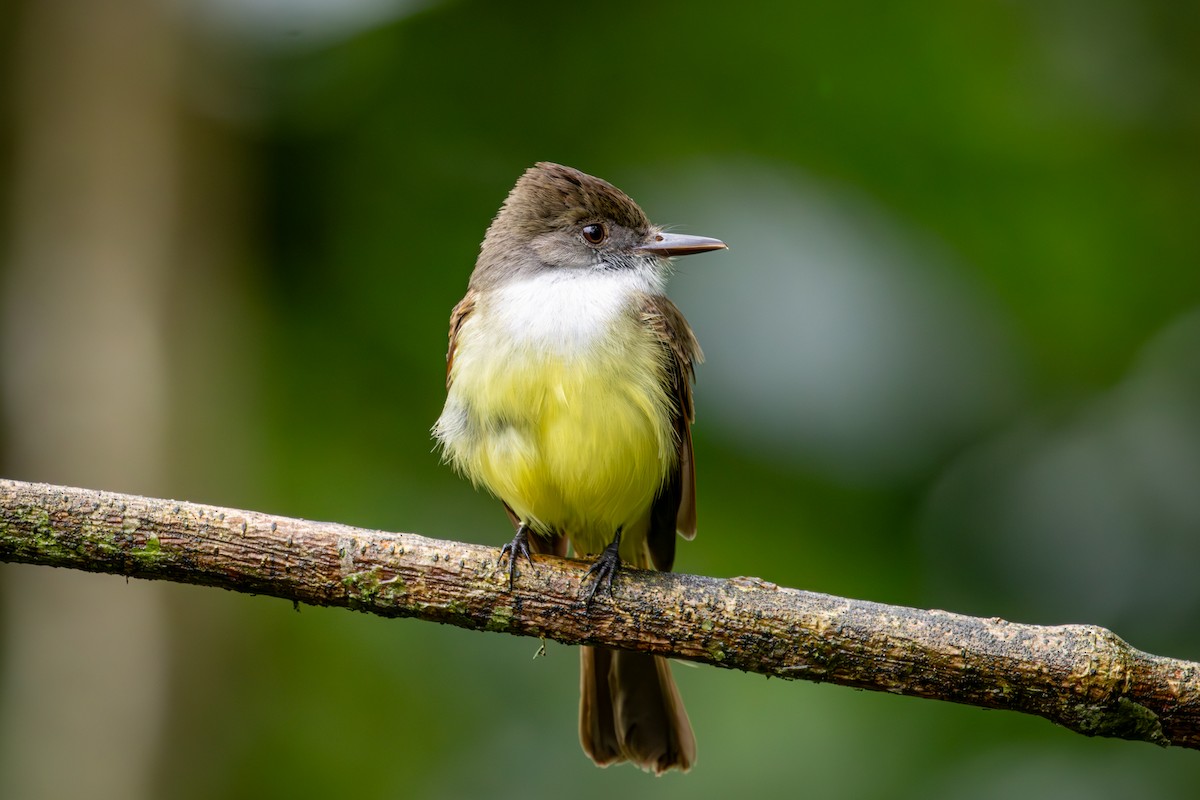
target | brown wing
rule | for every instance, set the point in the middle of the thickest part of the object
(674, 510)
(457, 317)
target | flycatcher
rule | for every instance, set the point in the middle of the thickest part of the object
(569, 398)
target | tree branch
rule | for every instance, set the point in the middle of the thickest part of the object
(1080, 676)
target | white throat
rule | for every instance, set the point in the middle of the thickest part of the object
(568, 310)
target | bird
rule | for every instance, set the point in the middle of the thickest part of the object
(569, 398)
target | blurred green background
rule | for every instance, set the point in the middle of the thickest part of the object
(953, 362)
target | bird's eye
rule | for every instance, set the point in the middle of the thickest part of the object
(594, 233)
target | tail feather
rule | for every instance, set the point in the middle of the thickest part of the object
(597, 725)
(630, 710)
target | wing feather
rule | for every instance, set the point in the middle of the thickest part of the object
(674, 509)
(457, 317)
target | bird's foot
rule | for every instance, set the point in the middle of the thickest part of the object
(518, 547)
(605, 568)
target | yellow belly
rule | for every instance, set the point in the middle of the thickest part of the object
(575, 443)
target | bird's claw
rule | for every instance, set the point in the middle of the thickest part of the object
(605, 568)
(519, 546)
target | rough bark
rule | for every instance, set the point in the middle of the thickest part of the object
(1082, 677)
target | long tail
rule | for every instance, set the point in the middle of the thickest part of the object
(629, 707)
(630, 710)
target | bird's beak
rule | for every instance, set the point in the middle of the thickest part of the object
(676, 244)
